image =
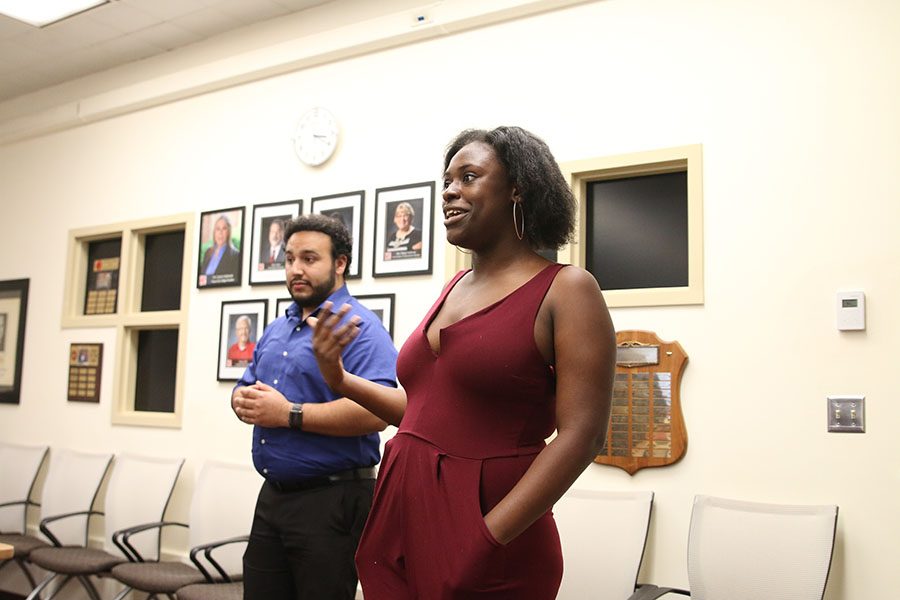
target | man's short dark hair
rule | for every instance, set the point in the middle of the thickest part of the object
(341, 242)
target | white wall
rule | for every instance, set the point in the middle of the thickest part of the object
(796, 107)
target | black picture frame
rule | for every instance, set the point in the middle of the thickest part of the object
(13, 312)
(264, 269)
(229, 269)
(393, 258)
(280, 306)
(233, 359)
(383, 306)
(349, 208)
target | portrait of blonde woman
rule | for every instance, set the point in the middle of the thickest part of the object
(405, 240)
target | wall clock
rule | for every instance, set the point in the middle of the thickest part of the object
(316, 137)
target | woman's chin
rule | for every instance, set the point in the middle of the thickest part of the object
(459, 242)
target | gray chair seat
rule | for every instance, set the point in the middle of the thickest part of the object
(22, 544)
(74, 560)
(212, 591)
(157, 577)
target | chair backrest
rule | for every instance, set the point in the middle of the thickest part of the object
(138, 492)
(222, 507)
(603, 535)
(19, 467)
(752, 551)
(73, 479)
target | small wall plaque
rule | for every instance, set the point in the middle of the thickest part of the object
(646, 426)
(85, 361)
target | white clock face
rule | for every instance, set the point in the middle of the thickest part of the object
(317, 136)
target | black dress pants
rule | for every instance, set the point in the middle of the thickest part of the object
(303, 542)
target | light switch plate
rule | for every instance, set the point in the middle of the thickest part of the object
(847, 414)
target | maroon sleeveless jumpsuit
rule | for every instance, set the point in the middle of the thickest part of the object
(477, 415)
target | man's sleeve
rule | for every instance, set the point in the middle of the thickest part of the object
(372, 355)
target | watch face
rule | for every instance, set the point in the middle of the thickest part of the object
(317, 136)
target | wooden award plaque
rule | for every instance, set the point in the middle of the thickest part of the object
(85, 361)
(646, 426)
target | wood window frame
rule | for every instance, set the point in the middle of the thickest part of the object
(580, 173)
(128, 319)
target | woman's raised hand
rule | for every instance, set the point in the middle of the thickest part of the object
(330, 339)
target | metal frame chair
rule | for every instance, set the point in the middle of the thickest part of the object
(19, 469)
(754, 551)
(138, 491)
(603, 535)
(70, 490)
(217, 534)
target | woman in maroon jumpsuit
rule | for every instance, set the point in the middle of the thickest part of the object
(513, 349)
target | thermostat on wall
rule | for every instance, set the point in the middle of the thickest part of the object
(851, 311)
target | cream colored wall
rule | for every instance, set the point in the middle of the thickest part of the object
(796, 107)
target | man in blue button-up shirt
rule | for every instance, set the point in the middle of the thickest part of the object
(315, 450)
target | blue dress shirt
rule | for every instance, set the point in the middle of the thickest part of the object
(284, 359)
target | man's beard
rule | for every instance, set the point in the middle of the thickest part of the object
(319, 294)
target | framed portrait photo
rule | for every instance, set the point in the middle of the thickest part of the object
(383, 307)
(404, 227)
(267, 245)
(221, 256)
(281, 306)
(347, 208)
(13, 307)
(240, 327)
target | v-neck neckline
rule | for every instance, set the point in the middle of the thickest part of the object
(440, 305)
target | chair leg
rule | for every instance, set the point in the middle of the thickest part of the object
(36, 592)
(27, 572)
(57, 589)
(123, 593)
(88, 586)
(23, 567)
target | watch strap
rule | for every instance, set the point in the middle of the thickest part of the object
(295, 417)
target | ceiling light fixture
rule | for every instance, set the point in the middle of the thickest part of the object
(45, 12)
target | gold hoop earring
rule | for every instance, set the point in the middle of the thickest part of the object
(519, 233)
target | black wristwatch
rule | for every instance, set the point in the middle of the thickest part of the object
(295, 417)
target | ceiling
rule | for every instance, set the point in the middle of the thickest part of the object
(119, 32)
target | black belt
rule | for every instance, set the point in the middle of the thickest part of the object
(316, 482)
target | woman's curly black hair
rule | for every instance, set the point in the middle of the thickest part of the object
(341, 241)
(547, 201)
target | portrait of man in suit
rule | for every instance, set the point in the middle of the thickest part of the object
(271, 246)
